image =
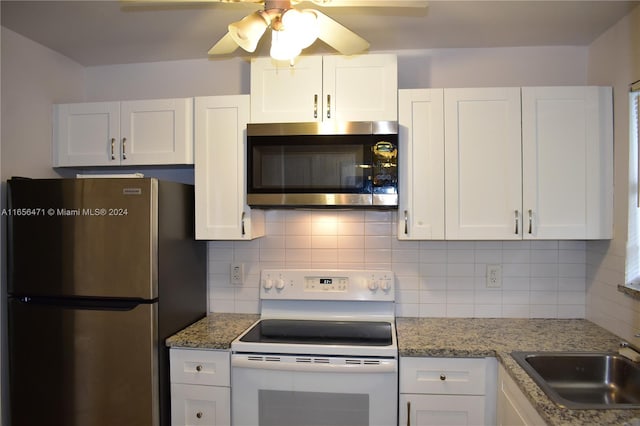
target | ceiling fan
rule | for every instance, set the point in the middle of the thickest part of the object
(294, 29)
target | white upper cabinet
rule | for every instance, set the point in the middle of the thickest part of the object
(317, 88)
(483, 180)
(150, 132)
(421, 164)
(530, 163)
(220, 170)
(567, 160)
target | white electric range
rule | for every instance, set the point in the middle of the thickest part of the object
(324, 352)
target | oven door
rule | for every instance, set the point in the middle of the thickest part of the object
(276, 390)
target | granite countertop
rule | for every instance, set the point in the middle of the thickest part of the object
(215, 331)
(461, 337)
(477, 337)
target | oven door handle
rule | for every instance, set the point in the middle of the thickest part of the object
(382, 366)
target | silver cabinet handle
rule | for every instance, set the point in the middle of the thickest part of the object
(408, 413)
(406, 222)
(315, 106)
(113, 142)
(242, 224)
(328, 106)
(124, 148)
(530, 221)
(517, 216)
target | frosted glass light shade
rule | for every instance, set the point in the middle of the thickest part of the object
(284, 46)
(247, 31)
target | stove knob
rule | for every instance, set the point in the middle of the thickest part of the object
(280, 284)
(268, 284)
(386, 285)
(373, 285)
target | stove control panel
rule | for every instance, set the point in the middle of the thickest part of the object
(321, 284)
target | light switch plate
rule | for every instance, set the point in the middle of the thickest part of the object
(494, 276)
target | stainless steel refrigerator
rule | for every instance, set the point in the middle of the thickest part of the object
(100, 273)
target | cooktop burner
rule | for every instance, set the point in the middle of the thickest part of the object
(318, 332)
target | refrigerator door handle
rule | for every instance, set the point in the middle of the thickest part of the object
(85, 303)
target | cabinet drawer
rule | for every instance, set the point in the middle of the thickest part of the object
(200, 367)
(442, 410)
(200, 405)
(453, 376)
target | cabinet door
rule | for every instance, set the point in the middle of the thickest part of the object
(441, 410)
(483, 164)
(86, 134)
(360, 88)
(282, 93)
(157, 132)
(220, 177)
(200, 405)
(421, 192)
(513, 407)
(567, 162)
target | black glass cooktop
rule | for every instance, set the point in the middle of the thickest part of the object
(359, 333)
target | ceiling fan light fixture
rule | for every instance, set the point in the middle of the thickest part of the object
(247, 31)
(284, 46)
(302, 24)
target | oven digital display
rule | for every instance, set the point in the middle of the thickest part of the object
(326, 284)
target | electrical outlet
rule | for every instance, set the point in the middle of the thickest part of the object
(237, 273)
(494, 276)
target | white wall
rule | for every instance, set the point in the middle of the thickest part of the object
(614, 59)
(563, 65)
(33, 79)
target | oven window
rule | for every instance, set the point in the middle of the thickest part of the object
(278, 408)
(328, 164)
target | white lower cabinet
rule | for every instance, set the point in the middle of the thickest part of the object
(514, 409)
(447, 391)
(200, 387)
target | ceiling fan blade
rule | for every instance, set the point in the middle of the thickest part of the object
(370, 3)
(338, 36)
(225, 45)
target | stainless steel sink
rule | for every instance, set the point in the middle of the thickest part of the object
(584, 380)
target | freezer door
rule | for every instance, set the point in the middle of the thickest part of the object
(82, 367)
(83, 237)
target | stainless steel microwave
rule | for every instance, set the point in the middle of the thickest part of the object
(328, 165)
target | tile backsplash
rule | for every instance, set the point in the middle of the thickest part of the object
(540, 279)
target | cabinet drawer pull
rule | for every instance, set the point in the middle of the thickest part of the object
(199, 368)
(530, 221)
(517, 216)
(443, 377)
(113, 142)
(124, 148)
(408, 413)
(199, 414)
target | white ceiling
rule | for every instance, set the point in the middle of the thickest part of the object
(108, 32)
